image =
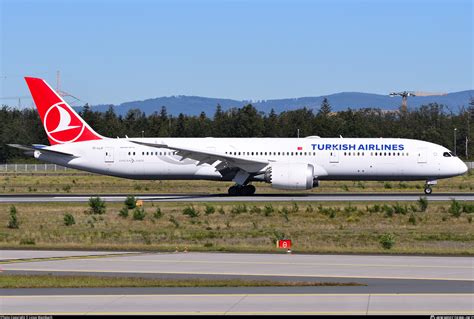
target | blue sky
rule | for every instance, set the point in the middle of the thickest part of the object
(117, 51)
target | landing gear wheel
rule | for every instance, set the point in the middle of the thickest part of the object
(428, 190)
(248, 190)
(241, 190)
(234, 191)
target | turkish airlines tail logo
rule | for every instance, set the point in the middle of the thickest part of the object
(61, 123)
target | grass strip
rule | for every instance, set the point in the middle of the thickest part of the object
(50, 281)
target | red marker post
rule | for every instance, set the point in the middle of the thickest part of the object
(284, 244)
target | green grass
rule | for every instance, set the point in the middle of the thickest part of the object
(313, 227)
(80, 182)
(50, 281)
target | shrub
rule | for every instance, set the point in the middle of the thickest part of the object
(468, 208)
(295, 208)
(221, 210)
(191, 212)
(13, 222)
(131, 202)
(350, 209)
(174, 221)
(209, 210)
(157, 214)
(374, 209)
(278, 235)
(67, 188)
(412, 219)
(403, 185)
(455, 209)
(469, 219)
(27, 241)
(139, 213)
(284, 212)
(388, 210)
(387, 241)
(423, 204)
(399, 209)
(97, 205)
(69, 219)
(268, 210)
(330, 211)
(238, 209)
(387, 185)
(255, 210)
(123, 212)
(309, 209)
(413, 208)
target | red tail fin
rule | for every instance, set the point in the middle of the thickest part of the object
(61, 123)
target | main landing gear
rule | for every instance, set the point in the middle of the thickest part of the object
(241, 190)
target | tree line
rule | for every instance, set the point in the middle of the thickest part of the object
(432, 122)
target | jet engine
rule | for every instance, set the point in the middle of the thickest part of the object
(291, 176)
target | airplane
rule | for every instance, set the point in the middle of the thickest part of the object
(285, 163)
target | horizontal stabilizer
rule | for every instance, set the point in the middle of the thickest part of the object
(41, 148)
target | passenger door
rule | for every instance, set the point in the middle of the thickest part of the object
(109, 155)
(334, 157)
(421, 155)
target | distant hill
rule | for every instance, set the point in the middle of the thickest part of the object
(194, 105)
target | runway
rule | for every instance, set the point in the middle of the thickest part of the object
(278, 304)
(299, 197)
(390, 284)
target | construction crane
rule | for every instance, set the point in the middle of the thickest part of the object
(406, 94)
(58, 89)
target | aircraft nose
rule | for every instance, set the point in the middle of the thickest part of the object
(462, 167)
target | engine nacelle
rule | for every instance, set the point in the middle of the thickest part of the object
(291, 176)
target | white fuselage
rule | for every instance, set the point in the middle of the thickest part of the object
(335, 158)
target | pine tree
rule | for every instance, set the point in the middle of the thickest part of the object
(325, 108)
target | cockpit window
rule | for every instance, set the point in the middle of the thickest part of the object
(446, 154)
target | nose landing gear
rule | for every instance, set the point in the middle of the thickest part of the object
(241, 190)
(428, 190)
(428, 184)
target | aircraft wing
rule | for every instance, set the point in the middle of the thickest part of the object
(41, 148)
(250, 165)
